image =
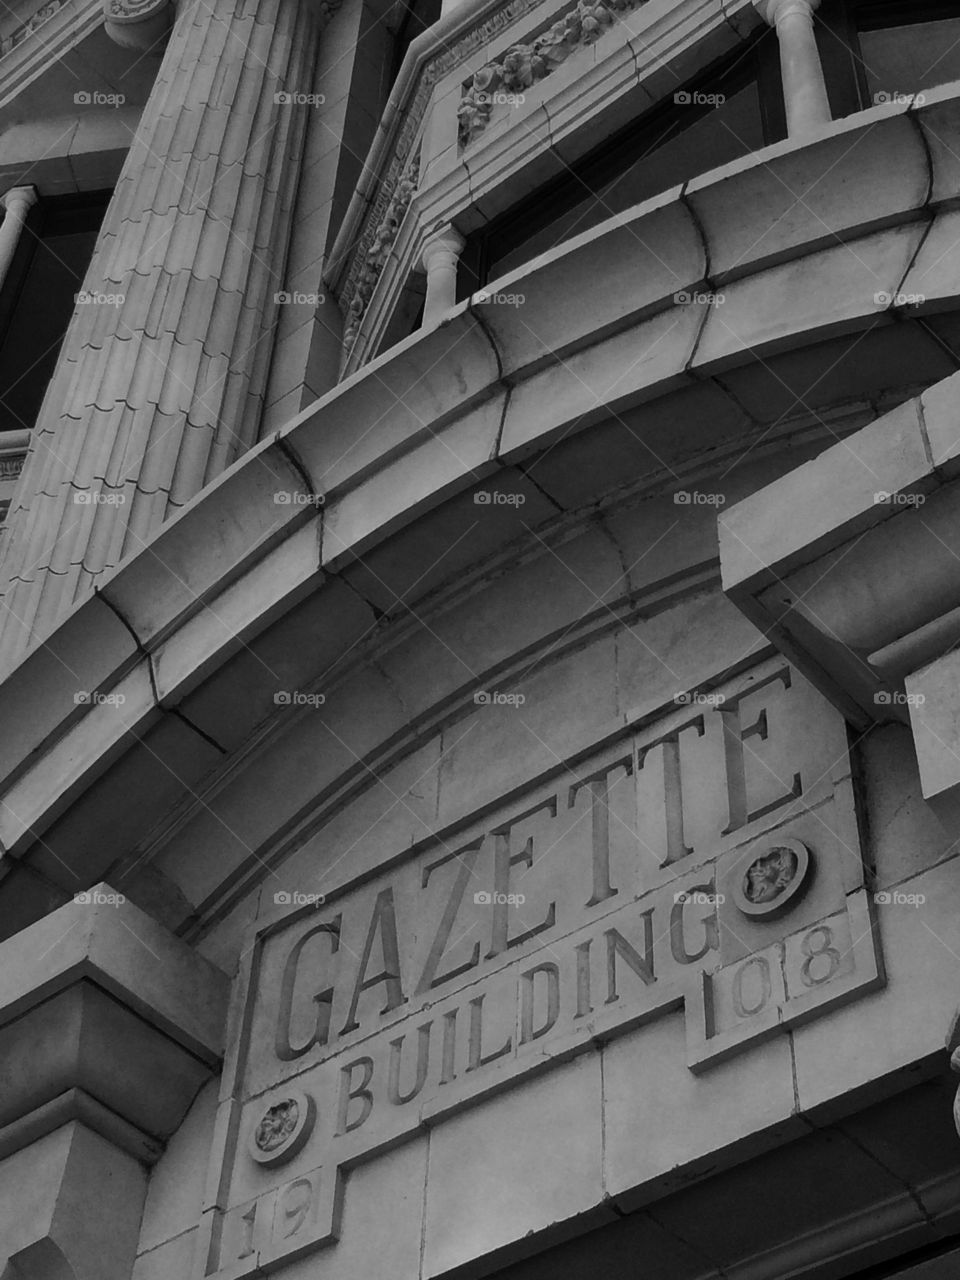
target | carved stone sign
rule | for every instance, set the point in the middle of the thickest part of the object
(707, 859)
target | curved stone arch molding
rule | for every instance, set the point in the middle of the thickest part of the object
(71, 24)
(294, 833)
(566, 638)
(495, 389)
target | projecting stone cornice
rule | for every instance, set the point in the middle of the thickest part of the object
(108, 1027)
(680, 303)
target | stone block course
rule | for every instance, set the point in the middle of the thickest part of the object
(472, 1207)
(799, 198)
(897, 1033)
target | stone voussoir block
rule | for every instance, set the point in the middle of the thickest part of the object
(233, 522)
(797, 196)
(74, 760)
(831, 292)
(248, 605)
(619, 273)
(50, 687)
(410, 392)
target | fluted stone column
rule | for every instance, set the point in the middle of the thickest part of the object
(159, 383)
(804, 88)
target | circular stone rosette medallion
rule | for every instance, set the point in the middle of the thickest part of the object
(773, 879)
(283, 1129)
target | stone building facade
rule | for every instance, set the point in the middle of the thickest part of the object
(480, 598)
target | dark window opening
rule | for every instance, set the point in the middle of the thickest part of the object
(731, 110)
(876, 50)
(38, 298)
(417, 16)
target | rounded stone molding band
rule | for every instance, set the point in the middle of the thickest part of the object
(774, 879)
(283, 1129)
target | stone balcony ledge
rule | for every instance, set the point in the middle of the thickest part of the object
(404, 443)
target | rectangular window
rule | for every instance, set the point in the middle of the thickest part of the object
(38, 298)
(910, 57)
(729, 112)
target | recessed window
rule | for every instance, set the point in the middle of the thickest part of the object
(727, 113)
(417, 15)
(38, 298)
(910, 58)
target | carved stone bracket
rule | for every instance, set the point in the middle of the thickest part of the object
(523, 65)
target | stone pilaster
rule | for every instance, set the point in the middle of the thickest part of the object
(160, 380)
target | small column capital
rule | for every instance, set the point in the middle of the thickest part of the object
(442, 248)
(19, 199)
(774, 11)
(138, 24)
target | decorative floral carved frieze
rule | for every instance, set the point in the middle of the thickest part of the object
(46, 11)
(11, 466)
(523, 65)
(377, 251)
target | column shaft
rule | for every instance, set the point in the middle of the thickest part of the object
(17, 203)
(804, 89)
(154, 395)
(441, 255)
